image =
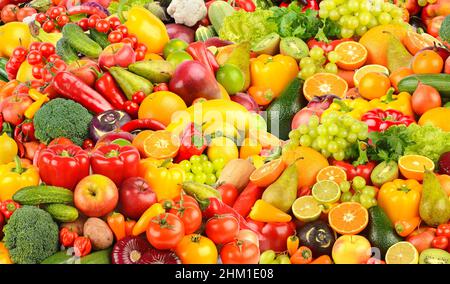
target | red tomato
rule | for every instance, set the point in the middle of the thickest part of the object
(46, 49)
(60, 141)
(102, 26)
(115, 36)
(240, 252)
(165, 231)
(191, 215)
(440, 242)
(9, 13)
(222, 229)
(229, 193)
(25, 12)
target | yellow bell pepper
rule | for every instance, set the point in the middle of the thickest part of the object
(143, 222)
(400, 199)
(148, 28)
(273, 73)
(165, 180)
(12, 35)
(263, 211)
(4, 255)
(400, 102)
(34, 107)
(25, 73)
(14, 176)
(355, 108)
(8, 149)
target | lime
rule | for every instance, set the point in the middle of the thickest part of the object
(326, 191)
(121, 142)
(306, 209)
(402, 253)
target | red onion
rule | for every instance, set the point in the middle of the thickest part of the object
(247, 101)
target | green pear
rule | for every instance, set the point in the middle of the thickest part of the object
(283, 192)
(240, 57)
(434, 204)
(397, 55)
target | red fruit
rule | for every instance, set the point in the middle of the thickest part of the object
(34, 57)
(229, 193)
(35, 46)
(141, 46)
(8, 13)
(422, 238)
(14, 107)
(83, 23)
(62, 20)
(25, 12)
(138, 97)
(222, 229)
(36, 71)
(447, 66)
(140, 55)
(92, 21)
(46, 49)
(161, 87)
(53, 57)
(102, 26)
(123, 30)
(115, 37)
(117, 54)
(20, 53)
(440, 242)
(135, 196)
(53, 13)
(41, 18)
(114, 22)
(48, 26)
(131, 108)
(134, 39)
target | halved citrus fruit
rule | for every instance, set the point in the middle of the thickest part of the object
(352, 55)
(332, 173)
(348, 218)
(161, 144)
(415, 42)
(306, 208)
(402, 253)
(139, 140)
(326, 191)
(268, 173)
(413, 166)
(324, 84)
(368, 69)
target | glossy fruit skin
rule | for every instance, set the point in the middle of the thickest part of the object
(117, 54)
(374, 85)
(190, 214)
(240, 252)
(231, 77)
(135, 196)
(425, 98)
(165, 231)
(196, 249)
(222, 229)
(229, 193)
(350, 249)
(427, 62)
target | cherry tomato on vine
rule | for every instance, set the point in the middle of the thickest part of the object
(61, 20)
(138, 97)
(46, 49)
(161, 87)
(123, 30)
(36, 71)
(48, 26)
(114, 22)
(440, 242)
(83, 23)
(140, 55)
(41, 18)
(141, 46)
(20, 53)
(34, 57)
(102, 26)
(115, 36)
(131, 108)
(54, 12)
(53, 57)
(92, 21)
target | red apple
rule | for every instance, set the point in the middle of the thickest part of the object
(96, 196)
(110, 137)
(135, 196)
(117, 54)
(447, 66)
(13, 108)
(83, 69)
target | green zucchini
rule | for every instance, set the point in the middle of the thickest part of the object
(43, 194)
(62, 212)
(100, 38)
(98, 257)
(441, 82)
(65, 51)
(3, 73)
(80, 41)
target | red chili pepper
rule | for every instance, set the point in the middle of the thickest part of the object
(67, 237)
(8, 207)
(311, 4)
(71, 87)
(247, 198)
(82, 246)
(63, 165)
(247, 5)
(361, 167)
(108, 88)
(200, 53)
(379, 120)
(192, 142)
(146, 123)
(116, 162)
(76, 10)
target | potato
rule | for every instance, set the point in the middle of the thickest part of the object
(75, 226)
(99, 233)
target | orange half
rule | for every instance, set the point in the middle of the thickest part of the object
(161, 144)
(332, 173)
(324, 84)
(352, 55)
(413, 166)
(268, 173)
(348, 218)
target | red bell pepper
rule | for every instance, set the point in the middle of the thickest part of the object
(361, 167)
(200, 53)
(8, 207)
(82, 246)
(72, 87)
(2, 223)
(192, 142)
(275, 236)
(116, 162)
(379, 120)
(311, 4)
(247, 198)
(67, 237)
(143, 124)
(63, 165)
(108, 88)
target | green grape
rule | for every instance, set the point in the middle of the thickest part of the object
(313, 121)
(364, 18)
(203, 158)
(369, 191)
(333, 129)
(302, 75)
(365, 6)
(343, 133)
(305, 140)
(218, 173)
(309, 70)
(365, 200)
(358, 183)
(189, 176)
(319, 63)
(346, 196)
(333, 147)
(208, 167)
(322, 130)
(195, 160)
(397, 21)
(345, 186)
(353, 6)
(332, 115)
(329, 5)
(305, 61)
(196, 168)
(422, 3)
(210, 179)
(355, 128)
(313, 132)
(339, 2)
(384, 18)
(333, 56)
(315, 146)
(396, 13)
(323, 13)
(339, 156)
(363, 135)
(352, 23)
(373, 23)
(355, 198)
(387, 7)
(341, 142)
(218, 164)
(343, 21)
(185, 165)
(294, 135)
(348, 121)
(322, 5)
(374, 202)
(346, 33)
(331, 68)
(361, 30)
(267, 257)
(343, 10)
(316, 53)
(334, 15)
(303, 129)
(322, 142)
(352, 137)
(325, 153)
(200, 178)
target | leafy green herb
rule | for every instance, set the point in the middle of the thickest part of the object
(114, 6)
(390, 144)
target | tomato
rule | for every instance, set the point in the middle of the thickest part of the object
(62, 20)
(140, 55)
(122, 29)
(46, 49)
(229, 193)
(102, 26)
(133, 39)
(374, 85)
(34, 57)
(115, 36)
(427, 62)
(60, 141)
(222, 229)
(191, 215)
(440, 242)
(231, 78)
(20, 53)
(92, 21)
(261, 95)
(9, 13)
(425, 98)
(114, 22)
(53, 13)
(248, 235)
(443, 230)
(25, 12)
(165, 231)
(41, 18)
(196, 249)
(240, 252)
(48, 26)
(84, 24)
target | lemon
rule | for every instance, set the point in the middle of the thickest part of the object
(306, 209)
(402, 253)
(326, 191)
(222, 147)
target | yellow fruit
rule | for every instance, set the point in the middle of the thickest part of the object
(12, 35)
(438, 117)
(24, 73)
(222, 147)
(161, 106)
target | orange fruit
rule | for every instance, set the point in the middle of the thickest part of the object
(309, 162)
(437, 117)
(139, 140)
(324, 84)
(268, 173)
(249, 148)
(444, 180)
(361, 72)
(398, 75)
(413, 166)
(415, 42)
(161, 144)
(161, 106)
(348, 218)
(427, 62)
(352, 55)
(374, 85)
(332, 173)
(347, 76)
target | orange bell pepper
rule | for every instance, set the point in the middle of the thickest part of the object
(324, 259)
(292, 244)
(265, 212)
(405, 227)
(302, 256)
(116, 222)
(4, 255)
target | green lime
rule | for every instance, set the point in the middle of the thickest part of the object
(326, 191)
(121, 142)
(306, 209)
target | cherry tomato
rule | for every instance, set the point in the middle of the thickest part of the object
(229, 193)
(57, 66)
(48, 26)
(8, 13)
(240, 252)
(53, 13)
(62, 20)
(47, 49)
(53, 57)
(222, 229)
(61, 9)
(196, 249)
(83, 23)
(161, 87)
(102, 26)
(25, 12)
(92, 21)
(134, 39)
(138, 97)
(443, 230)
(88, 144)
(141, 46)
(440, 242)
(114, 22)
(131, 108)
(28, 131)
(115, 36)
(20, 53)
(35, 46)
(34, 57)
(36, 71)
(140, 55)
(123, 30)
(41, 18)
(191, 215)
(46, 75)
(165, 231)
(128, 41)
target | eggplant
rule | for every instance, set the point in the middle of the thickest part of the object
(317, 236)
(106, 122)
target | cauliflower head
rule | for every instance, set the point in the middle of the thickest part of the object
(187, 12)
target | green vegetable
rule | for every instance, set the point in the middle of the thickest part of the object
(98, 37)
(43, 194)
(444, 31)
(62, 212)
(388, 145)
(204, 33)
(441, 82)
(65, 257)
(80, 41)
(65, 51)
(31, 235)
(247, 26)
(114, 6)
(62, 118)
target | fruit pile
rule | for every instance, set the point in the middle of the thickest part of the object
(225, 132)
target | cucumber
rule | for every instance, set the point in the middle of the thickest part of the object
(43, 194)
(65, 51)
(100, 38)
(217, 13)
(204, 33)
(62, 212)
(441, 82)
(98, 257)
(3, 73)
(79, 41)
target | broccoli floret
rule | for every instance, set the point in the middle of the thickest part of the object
(31, 235)
(62, 118)
(444, 31)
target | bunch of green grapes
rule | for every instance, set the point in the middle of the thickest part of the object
(331, 135)
(317, 62)
(200, 169)
(363, 194)
(355, 17)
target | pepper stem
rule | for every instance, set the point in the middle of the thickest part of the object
(389, 95)
(344, 107)
(112, 154)
(65, 153)
(18, 169)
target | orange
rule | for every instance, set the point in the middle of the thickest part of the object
(249, 148)
(162, 144)
(352, 55)
(437, 117)
(444, 180)
(332, 173)
(324, 84)
(413, 166)
(415, 42)
(268, 173)
(427, 62)
(348, 218)
(309, 162)
(398, 75)
(361, 72)
(139, 140)
(374, 85)
(161, 106)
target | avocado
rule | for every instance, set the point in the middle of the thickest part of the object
(380, 231)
